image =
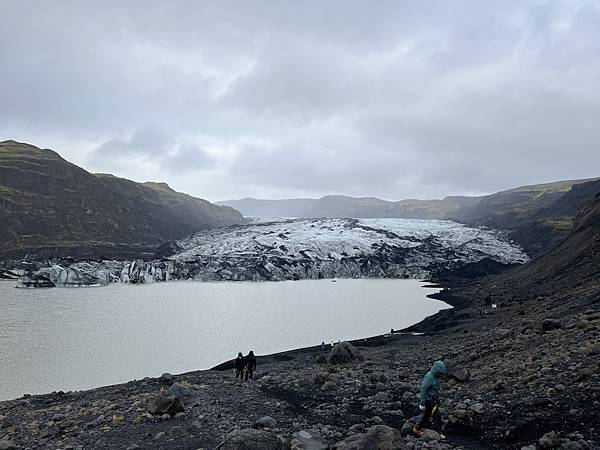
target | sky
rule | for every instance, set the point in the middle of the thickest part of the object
(283, 99)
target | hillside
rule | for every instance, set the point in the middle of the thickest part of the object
(49, 206)
(538, 217)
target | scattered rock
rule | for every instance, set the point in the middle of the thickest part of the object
(549, 440)
(177, 432)
(477, 407)
(265, 422)
(250, 439)
(430, 435)
(378, 437)
(342, 353)
(462, 375)
(329, 386)
(551, 324)
(179, 391)
(165, 404)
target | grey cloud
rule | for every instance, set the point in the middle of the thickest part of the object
(395, 99)
(188, 158)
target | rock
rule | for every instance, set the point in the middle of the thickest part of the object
(177, 431)
(430, 435)
(528, 447)
(551, 324)
(321, 377)
(305, 440)
(250, 439)
(265, 422)
(462, 375)
(329, 386)
(179, 391)
(477, 407)
(158, 436)
(7, 445)
(165, 404)
(342, 353)
(166, 377)
(584, 373)
(595, 349)
(503, 333)
(549, 440)
(378, 437)
(499, 385)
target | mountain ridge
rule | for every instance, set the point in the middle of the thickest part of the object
(51, 207)
(536, 216)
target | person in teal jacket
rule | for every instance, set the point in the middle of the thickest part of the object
(431, 388)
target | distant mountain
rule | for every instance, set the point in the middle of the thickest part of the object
(339, 206)
(50, 207)
(536, 216)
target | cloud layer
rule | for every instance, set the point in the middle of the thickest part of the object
(286, 99)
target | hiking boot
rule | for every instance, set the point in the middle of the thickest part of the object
(417, 431)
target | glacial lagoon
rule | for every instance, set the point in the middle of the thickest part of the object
(80, 338)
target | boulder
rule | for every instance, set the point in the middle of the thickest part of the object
(430, 435)
(305, 440)
(7, 445)
(165, 404)
(342, 353)
(462, 375)
(329, 386)
(179, 391)
(551, 324)
(549, 440)
(250, 439)
(378, 437)
(265, 422)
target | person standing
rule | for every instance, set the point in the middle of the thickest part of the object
(240, 363)
(250, 365)
(431, 389)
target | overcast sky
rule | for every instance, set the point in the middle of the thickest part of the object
(280, 99)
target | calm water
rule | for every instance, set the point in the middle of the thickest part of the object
(78, 338)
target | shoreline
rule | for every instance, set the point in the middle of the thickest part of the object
(282, 355)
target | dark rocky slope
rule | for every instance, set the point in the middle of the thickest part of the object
(537, 217)
(50, 207)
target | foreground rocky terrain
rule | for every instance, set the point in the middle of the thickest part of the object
(296, 249)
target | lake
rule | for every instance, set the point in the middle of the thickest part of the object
(79, 338)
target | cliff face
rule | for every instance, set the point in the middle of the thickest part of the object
(51, 207)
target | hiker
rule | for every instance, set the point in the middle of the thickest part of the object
(250, 364)
(431, 388)
(240, 363)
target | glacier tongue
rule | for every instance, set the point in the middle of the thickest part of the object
(326, 248)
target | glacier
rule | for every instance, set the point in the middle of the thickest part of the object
(328, 248)
(293, 249)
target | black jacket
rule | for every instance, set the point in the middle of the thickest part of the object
(250, 362)
(240, 362)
